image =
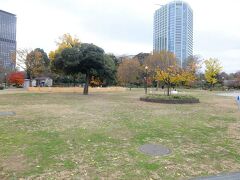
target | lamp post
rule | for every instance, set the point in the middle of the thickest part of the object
(146, 79)
(223, 82)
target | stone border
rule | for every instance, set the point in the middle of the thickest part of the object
(171, 101)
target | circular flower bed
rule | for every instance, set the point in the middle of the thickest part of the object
(173, 99)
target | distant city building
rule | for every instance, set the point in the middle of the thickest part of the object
(173, 30)
(7, 38)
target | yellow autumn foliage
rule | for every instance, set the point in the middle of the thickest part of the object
(213, 68)
(65, 41)
(169, 76)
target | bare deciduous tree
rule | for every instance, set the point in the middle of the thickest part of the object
(129, 72)
(34, 63)
(160, 60)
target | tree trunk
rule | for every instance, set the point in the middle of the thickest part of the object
(168, 90)
(74, 80)
(30, 81)
(157, 85)
(211, 87)
(85, 90)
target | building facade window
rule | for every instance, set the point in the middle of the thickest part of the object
(7, 39)
(174, 23)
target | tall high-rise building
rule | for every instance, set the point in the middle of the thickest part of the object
(173, 30)
(7, 38)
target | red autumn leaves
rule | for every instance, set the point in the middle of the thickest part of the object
(16, 78)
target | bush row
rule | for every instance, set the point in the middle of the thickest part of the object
(174, 99)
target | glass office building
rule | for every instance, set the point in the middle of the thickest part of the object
(173, 30)
(7, 39)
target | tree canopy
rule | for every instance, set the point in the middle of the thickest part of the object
(37, 63)
(64, 41)
(213, 68)
(160, 60)
(87, 59)
(129, 72)
(33, 62)
(16, 78)
(190, 69)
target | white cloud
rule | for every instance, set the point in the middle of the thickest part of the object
(125, 27)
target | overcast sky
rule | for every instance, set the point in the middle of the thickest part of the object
(125, 26)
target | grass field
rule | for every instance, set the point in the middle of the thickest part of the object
(72, 136)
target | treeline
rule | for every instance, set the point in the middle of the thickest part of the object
(76, 63)
(162, 69)
(72, 62)
(158, 69)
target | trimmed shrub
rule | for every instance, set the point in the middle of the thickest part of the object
(174, 99)
(16, 78)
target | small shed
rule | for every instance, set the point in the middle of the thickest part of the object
(44, 81)
(39, 82)
(27, 83)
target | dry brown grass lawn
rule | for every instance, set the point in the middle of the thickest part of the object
(72, 136)
(74, 89)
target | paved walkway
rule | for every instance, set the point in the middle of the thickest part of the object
(230, 176)
(13, 91)
(230, 94)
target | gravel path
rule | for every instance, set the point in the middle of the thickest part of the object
(231, 94)
(230, 176)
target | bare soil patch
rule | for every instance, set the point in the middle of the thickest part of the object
(14, 163)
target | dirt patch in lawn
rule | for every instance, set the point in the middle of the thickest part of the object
(14, 163)
(234, 131)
